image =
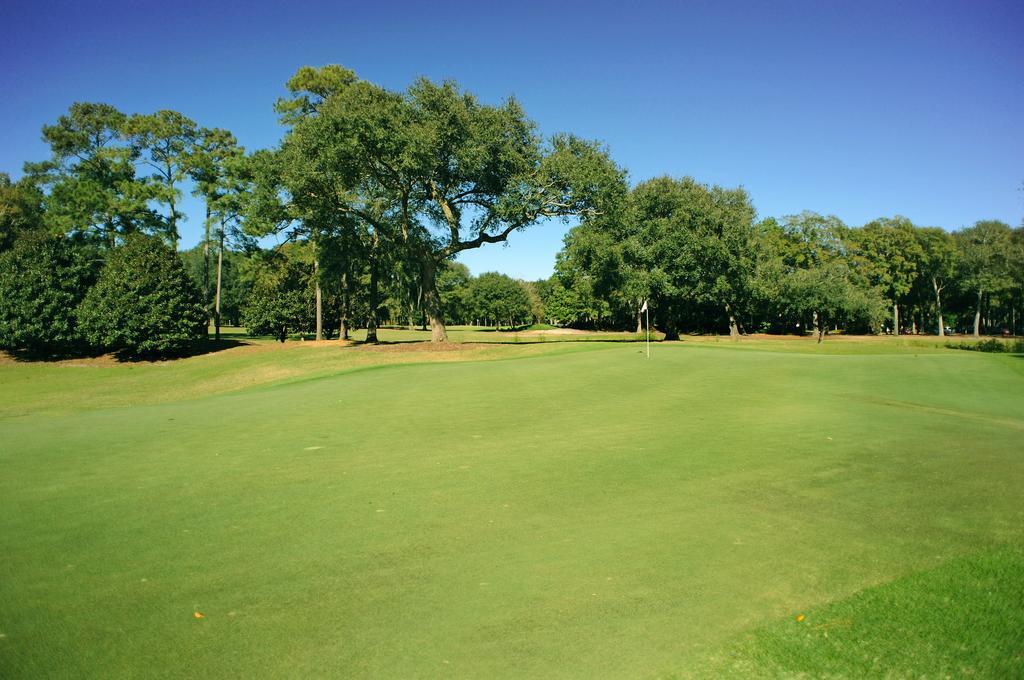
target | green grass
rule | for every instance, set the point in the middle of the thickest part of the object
(529, 335)
(70, 386)
(964, 618)
(556, 509)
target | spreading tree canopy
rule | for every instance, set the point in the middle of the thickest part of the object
(21, 210)
(90, 181)
(984, 251)
(436, 172)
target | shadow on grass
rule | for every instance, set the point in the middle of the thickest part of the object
(45, 355)
(198, 348)
(530, 341)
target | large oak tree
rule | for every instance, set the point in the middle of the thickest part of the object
(437, 172)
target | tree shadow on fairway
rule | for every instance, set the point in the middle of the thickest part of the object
(30, 356)
(198, 348)
(429, 346)
(416, 346)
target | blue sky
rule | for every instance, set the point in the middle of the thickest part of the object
(860, 109)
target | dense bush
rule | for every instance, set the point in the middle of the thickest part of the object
(42, 281)
(144, 302)
(500, 299)
(989, 345)
(281, 298)
(234, 288)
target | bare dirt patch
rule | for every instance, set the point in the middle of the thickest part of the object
(83, 362)
(426, 346)
(556, 331)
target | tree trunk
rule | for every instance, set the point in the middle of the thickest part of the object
(206, 264)
(174, 221)
(220, 268)
(734, 331)
(938, 306)
(895, 319)
(814, 319)
(343, 322)
(320, 312)
(671, 332)
(432, 301)
(977, 316)
(639, 319)
(371, 322)
(319, 302)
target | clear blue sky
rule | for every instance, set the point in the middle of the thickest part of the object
(860, 109)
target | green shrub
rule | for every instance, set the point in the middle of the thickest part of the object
(989, 345)
(42, 281)
(144, 302)
(281, 300)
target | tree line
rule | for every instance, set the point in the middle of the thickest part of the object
(704, 263)
(372, 194)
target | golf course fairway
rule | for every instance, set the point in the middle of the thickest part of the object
(567, 509)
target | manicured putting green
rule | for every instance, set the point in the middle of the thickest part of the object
(577, 511)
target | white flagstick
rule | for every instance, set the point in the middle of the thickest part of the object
(647, 314)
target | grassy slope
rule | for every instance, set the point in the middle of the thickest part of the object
(70, 386)
(581, 512)
(964, 618)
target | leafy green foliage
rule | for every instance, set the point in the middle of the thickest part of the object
(573, 304)
(43, 279)
(386, 187)
(826, 294)
(280, 300)
(164, 142)
(989, 345)
(144, 302)
(678, 244)
(235, 285)
(453, 289)
(21, 210)
(431, 171)
(983, 251)
(887, 254)
(500, 299)
(309, 87)
(90, 180)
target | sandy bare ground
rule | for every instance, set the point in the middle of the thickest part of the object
(7, 359)
(423, 346)
(556, 331)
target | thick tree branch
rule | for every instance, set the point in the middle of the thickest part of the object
(459, 246)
